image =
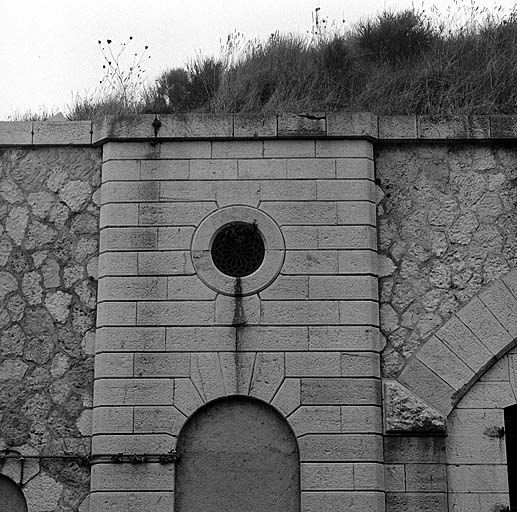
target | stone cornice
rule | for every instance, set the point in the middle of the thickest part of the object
(197, 126)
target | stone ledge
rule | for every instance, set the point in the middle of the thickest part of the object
(59, 133)
(15, 133)
(202, 126)
(46, 133)
(321, 125)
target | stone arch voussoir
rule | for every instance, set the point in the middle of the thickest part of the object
(257, 375)
(454, 357)
(285, 399)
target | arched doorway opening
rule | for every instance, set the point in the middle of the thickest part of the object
(510, 425)
(480, 442)
(11, 497)
(236, 454)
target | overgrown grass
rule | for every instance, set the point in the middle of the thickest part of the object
(41, 115)
(404, 62)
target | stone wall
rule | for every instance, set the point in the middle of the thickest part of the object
(476, 454)
(447, 227)
(301, 335)
(48, 269)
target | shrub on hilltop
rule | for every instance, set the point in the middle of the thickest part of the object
(398, 62)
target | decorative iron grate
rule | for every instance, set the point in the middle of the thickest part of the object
(238, 249)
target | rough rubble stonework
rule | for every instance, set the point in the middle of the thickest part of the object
(447, 217)
(405, 412)
(48, 255)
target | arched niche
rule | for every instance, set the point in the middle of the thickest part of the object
(11, 497)
(236, 454)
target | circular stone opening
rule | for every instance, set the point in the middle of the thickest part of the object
(238, 249)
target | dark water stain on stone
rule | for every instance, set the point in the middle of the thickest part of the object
(239, 323)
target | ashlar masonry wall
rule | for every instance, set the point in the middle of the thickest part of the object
(172, 335)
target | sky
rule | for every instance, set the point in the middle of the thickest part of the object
(49, 51)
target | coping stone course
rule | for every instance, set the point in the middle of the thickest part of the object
(255, 126)
(453, 127)
(15, 133)
(62, 132)
(397, 127)
(302, 125)
(352, 124)
(160, 127)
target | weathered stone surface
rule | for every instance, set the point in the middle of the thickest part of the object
(31, 288)
(268, 374)
(12, 369)
(443, 214)
(72, 274)
(397, 127)
(470, 186)
(10, 192)
(20, 261)
(85, 248)
(84, 423)
(37, 379)
(45, 384)
(5, 249)
(60, 364)
(57, 179)
(391, 362)
(59, 391)
(8, 283)
(39, 349)
(12, 341)
(5, 318)
(14, 428)
(16, 223)
(16, 307)
(448, 229)
(42, 493)
(38, 321)
(57, 304)
(84, 223)
(389, 318)
(38, 258)
(75, 194)
(40, 203)
(86, 291)
(405, 412)
(38, 235)
(50, 271)
(59, 215)
(88, 343)
(386, 266)
(37, 407)
(461, 231)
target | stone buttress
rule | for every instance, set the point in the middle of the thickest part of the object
(300, 332)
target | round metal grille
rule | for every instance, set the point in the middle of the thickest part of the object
(238, 249)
